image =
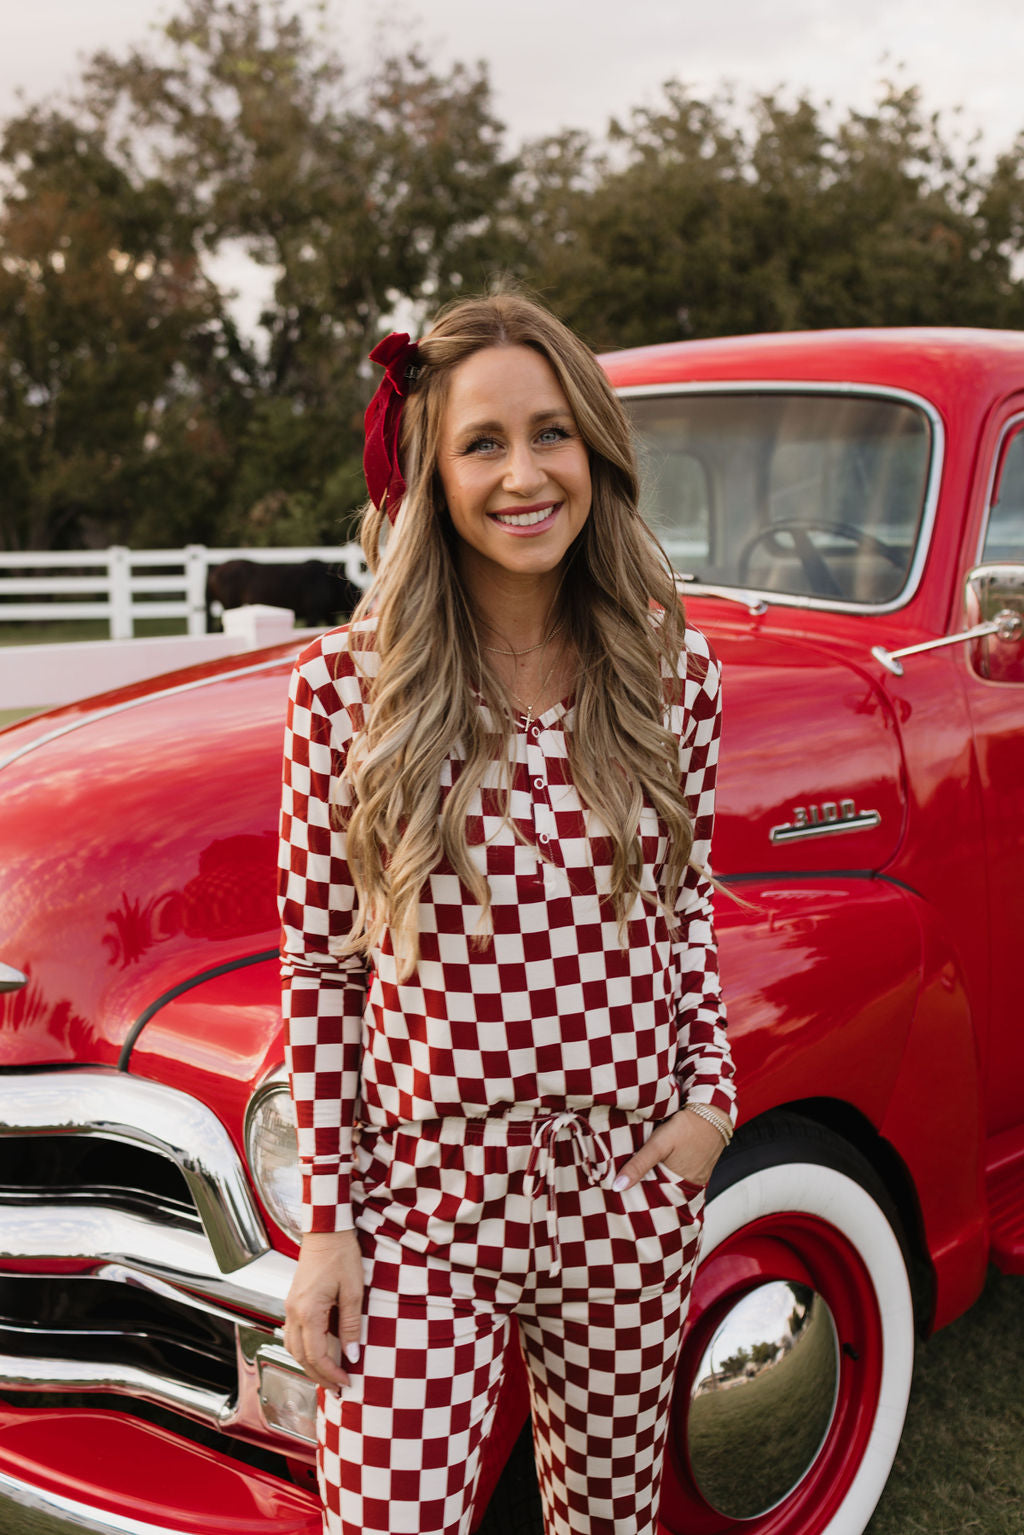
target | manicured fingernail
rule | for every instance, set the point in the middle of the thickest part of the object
(621, 1182)
(352, 1352)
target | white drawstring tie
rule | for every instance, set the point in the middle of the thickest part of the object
(589, 1151)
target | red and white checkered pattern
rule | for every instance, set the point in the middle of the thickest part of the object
(552, 1012)
(458, 1223)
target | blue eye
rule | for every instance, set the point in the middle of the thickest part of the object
(480, 445)
(554, 434)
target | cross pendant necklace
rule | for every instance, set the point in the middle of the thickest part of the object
(528, 717)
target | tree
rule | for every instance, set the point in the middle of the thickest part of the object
(359, 196)
(134, 410)
(696, 219)
(107, 324)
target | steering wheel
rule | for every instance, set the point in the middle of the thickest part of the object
(822, 581)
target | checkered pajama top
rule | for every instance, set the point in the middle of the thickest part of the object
(552, 1010)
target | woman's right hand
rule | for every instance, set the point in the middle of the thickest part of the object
(329, 1275)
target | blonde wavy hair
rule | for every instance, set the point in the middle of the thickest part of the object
(424, 698)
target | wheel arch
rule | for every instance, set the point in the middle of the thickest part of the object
(892, 1176)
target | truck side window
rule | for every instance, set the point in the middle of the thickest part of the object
(676, 503)
(1004, 536)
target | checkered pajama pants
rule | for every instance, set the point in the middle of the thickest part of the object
(470, 1228)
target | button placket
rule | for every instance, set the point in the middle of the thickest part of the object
(529, 757)
(546, 830)
(540, 796)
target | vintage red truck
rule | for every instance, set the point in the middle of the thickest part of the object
(846, 512)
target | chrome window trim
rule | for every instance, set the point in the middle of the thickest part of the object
(1009, 426)
(823, 387)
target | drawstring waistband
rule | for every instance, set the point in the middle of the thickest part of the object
(594, 1130)
(589, 1151)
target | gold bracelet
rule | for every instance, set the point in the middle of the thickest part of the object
(713, 1117)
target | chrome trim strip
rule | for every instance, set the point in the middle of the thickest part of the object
(55, 1514)
(823, 386)
(18, 1373)
(754, 604)
(240, 1413)
(165, 1253)
(787, 832)
(97, 1101)
(136, 703)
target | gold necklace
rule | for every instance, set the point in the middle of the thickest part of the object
(498, 650)
(528, 716)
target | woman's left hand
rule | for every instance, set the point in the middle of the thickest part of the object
(687, 1144)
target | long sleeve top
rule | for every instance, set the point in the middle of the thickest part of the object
(554, 1009)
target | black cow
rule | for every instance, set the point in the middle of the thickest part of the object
(318, 594)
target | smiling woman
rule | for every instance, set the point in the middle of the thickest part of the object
(505, 1033)
(515, 473)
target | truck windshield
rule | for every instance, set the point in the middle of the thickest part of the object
(798, 493)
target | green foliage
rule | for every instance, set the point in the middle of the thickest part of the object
(696, 219)
(105, 321)
(131, 408)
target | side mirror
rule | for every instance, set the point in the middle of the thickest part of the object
(994, 594)
(995, 613)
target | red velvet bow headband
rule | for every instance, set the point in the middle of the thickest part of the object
(400, 359)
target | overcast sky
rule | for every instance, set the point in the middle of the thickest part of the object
(561, 63)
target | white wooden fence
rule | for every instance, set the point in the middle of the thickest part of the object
(121, 585)
(36, 677)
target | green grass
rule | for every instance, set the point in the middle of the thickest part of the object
(960, 1466)
(11, 716)
(84, 629)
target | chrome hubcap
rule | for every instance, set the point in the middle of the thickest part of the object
(763, 1398)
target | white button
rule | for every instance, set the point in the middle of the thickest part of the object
(538, 783)
(544, 837)
(535, 732)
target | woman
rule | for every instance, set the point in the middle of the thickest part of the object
(504, 1028)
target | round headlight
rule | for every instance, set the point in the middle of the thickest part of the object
(272, 1148)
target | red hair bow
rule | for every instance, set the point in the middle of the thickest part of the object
(400, 359)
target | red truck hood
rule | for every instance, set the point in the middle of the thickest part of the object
(138, 831)
(137, 851)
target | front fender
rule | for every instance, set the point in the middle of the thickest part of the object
(843, 988)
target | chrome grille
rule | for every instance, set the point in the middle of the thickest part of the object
(90, 1170)
(148, 1263)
